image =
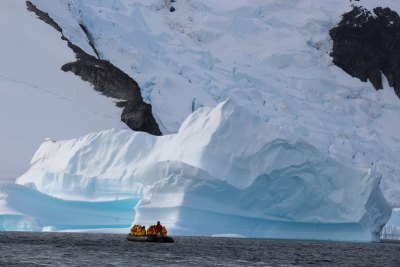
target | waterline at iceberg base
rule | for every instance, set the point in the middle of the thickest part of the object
(224, 172)
(283, 206)
(25, 209)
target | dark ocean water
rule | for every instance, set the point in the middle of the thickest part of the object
(80, 249)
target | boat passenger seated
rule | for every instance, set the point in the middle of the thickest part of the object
(158, 229)
(143, 230)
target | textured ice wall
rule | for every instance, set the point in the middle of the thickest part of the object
(224, 172)
(284, 204)
(25, 209)
(392, 228)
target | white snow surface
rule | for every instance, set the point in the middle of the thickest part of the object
(211, 178)
(37, 99)
(271, 57)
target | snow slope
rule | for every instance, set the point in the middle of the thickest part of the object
(37, 99)
(270, 56)
(211, 178)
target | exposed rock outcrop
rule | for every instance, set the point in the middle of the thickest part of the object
(366, 44)
(109, 80)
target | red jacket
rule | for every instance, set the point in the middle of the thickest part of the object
(158, 228)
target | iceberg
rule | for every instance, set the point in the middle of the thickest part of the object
(25, 209)
(224, 172)
(391, 230)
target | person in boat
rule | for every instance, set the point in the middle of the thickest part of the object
(143, 230)
(158, 229)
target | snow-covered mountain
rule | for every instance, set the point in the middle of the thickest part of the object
(271, 58)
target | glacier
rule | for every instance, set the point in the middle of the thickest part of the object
(271, 57)
(224, 172)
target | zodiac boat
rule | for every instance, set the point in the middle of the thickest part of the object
(150, 238)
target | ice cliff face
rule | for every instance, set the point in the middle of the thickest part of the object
(211, 178)
(25, 209)
(392, 228)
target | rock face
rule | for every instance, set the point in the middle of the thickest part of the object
(367, 44)
(110, 81)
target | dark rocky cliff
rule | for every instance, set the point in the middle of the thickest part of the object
(367, 44)
(109, 80)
